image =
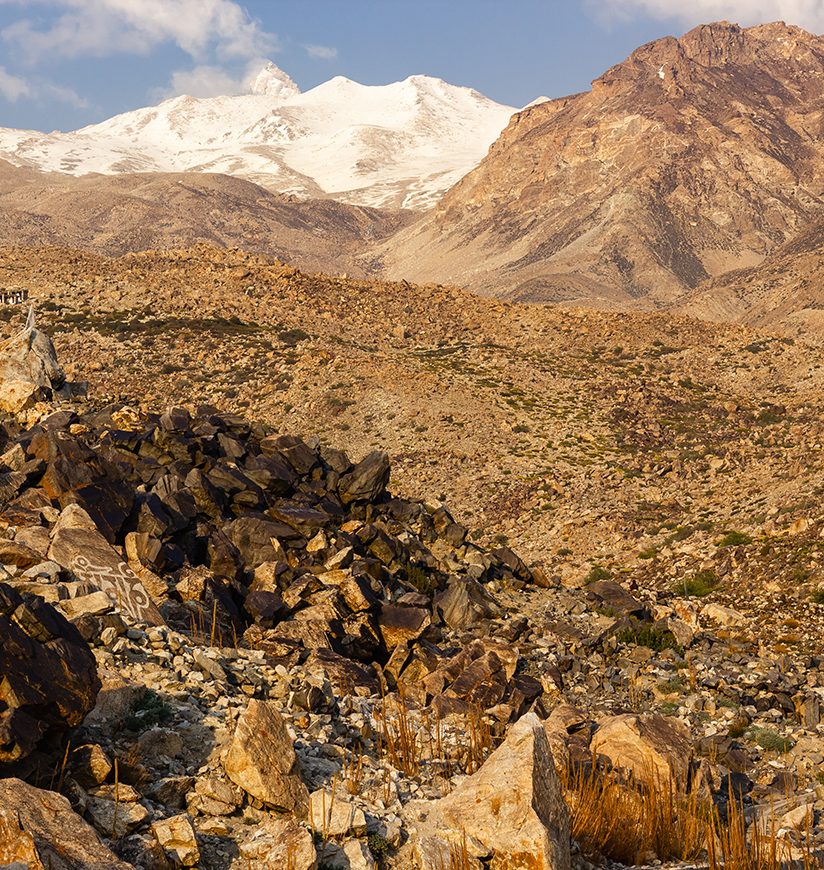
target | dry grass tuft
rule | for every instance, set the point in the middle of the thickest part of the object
(398, 735)
(730, 846)
(635, 823)
(630, 822)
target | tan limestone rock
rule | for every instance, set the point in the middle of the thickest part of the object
(262, 760)
(29, 369)
(512, 809)
(177, 838)
(333, 816)
(650, 746)
(40, 830)
(279, 842)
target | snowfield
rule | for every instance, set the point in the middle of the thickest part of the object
(398, 145)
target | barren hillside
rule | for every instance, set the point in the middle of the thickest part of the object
(629, 442)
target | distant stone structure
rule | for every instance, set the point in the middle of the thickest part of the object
(13, 297)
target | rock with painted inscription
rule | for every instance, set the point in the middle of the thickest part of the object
(79, 547)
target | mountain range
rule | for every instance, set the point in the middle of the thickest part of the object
(398, 146)
(689, 179)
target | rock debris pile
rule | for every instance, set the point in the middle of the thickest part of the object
(225, 646)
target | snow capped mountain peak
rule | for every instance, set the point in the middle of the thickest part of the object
(396, 145)
(272, 81)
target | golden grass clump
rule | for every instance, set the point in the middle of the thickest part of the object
(635, 823)
(631, 823)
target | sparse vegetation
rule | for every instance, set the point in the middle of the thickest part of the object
(597, 573)
(733, 539)
(769, 739)
(649, 636)
(697, 585)
(148, 710)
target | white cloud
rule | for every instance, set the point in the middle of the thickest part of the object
(321, 52)
(12, 88)
(201, 28)
(203, 81)
(206, 80)
(806, 13)
(62, 94)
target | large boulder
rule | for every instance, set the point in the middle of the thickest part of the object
(262, 760)
(464, 603)
(29, 370)
(653, 748)
(40, 831)
(77, 474)
(512, 808)
(279, 842)
(176, 837)
(367, 481)
(48, 674)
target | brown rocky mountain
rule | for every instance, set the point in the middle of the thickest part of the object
(784, 291)
(117, 214)
(693, 157)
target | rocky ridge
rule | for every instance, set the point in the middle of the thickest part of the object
(783, 292)
(116, 215)
(693, 157)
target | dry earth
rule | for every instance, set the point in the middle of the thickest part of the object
(628, 444)
(132, 212)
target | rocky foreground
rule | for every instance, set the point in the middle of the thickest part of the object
(224, 646)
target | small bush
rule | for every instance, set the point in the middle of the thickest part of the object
(596, 574)
(818, 596)
(769, 739)
(697, 585)
(733, 539)
(426, 582)
(148, 710)
(379, 847)
(650, 637)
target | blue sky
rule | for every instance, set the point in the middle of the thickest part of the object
(66, 63)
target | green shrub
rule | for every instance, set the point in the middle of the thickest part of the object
(379, 847)
(597, 573)
(697, 585)
(425, 581)
(769, 739)
(148, 710)
(653, 638)
(733, 539)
